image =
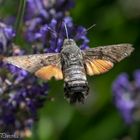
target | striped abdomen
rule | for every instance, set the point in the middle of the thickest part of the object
(76, 85)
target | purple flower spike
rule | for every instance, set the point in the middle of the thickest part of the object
(35, 8)
(123, 97)
(50, 30)
(6, 36)
(53, 34)
(9, 32)
(20, 93)
(126, 95)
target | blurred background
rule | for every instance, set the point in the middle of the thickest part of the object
(116, 22)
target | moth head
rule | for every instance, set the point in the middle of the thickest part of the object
(68, 42)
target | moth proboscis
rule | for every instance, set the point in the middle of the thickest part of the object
(72, 65)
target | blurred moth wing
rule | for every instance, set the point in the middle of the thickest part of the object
(101, 59)
(47, 72)
(44, 66)
(97, 61)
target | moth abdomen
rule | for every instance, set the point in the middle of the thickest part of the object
(76, 85)
(76, 91)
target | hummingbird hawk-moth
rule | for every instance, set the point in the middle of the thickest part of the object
(72, 64)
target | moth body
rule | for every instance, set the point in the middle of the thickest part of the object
(75, 81)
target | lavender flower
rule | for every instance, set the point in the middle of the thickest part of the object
(126, 95)
(6, 36)
(56, 36)
(55, 33)
(41, 29)
(40, 12)
(47, 9)
(18, 102)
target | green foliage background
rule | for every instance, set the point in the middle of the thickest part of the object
(116, 22)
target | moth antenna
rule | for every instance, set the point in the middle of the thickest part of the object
(93, 25)
(66, 29)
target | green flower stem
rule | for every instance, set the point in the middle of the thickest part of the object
(20, 16)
